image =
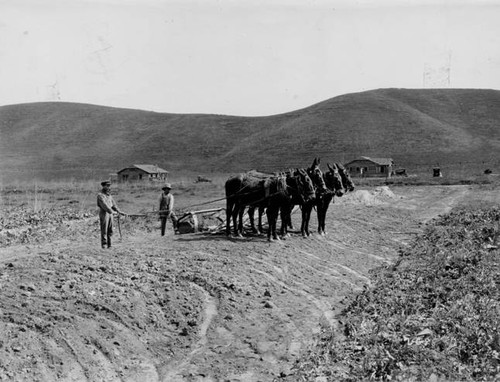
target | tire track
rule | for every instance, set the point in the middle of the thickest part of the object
(173, 372)
(329, 268)
(343, 247)
(323, 312)
(64, 342)
(316, 302)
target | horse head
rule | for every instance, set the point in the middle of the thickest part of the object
(333, 180)
(305, 185)
(316, 176)
(346, 177)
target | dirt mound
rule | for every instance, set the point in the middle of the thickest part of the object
(377, 196)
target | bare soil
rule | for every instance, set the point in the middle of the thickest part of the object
(198, 307)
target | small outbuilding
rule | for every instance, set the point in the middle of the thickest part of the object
(370, 167)
(436, 172)
(142, 172)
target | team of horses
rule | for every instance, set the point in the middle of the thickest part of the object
(278, 193)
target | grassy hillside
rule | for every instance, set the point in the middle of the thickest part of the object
(415, 127)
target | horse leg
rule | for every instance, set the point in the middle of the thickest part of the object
(241, 211)
(261, 212)
(272, 217)
(325, 209)
(286, 216)
(326, 203)
(234, 216)
(306, 213)
(289, 224)
(229, 213)
(308, 219)
(320, 206)
(275, 224)
(251, 211)
(321, 221)
(269, 224)
(303, 223)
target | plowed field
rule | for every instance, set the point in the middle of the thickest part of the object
(197, 307)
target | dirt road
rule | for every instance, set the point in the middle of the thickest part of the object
(198, 307)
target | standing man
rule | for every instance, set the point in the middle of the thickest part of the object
(107, 207)
(167, 208)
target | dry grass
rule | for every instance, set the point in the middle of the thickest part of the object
(131, 197)
(143, 196)
(34, 212)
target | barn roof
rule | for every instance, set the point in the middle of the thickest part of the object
(379, 161)
(149, 168)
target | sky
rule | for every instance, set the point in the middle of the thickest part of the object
(241, 57)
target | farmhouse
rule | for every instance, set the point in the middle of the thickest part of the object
(370, 167)
(141, 172)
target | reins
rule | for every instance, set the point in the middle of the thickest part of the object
(238, 193)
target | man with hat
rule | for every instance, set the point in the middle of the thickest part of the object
(107, 207)
(167, 208)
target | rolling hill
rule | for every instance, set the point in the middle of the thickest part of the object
(416, 127)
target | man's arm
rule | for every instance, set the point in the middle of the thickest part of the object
(171, 203)
(115, 207)
(160, 202)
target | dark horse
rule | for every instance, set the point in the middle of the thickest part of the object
(251, 189)
(298, 187)
(316, 176)
(338, 181)
(346, 177)
(261, 207)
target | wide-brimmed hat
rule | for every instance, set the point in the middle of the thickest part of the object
(167, 186)
(106, 183)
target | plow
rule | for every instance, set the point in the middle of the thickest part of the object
(210, 220)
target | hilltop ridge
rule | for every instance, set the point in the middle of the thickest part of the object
(412, 126)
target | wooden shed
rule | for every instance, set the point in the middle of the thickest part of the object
(142, 172)
(370, 167)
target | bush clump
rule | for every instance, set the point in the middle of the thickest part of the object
(434, 315)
